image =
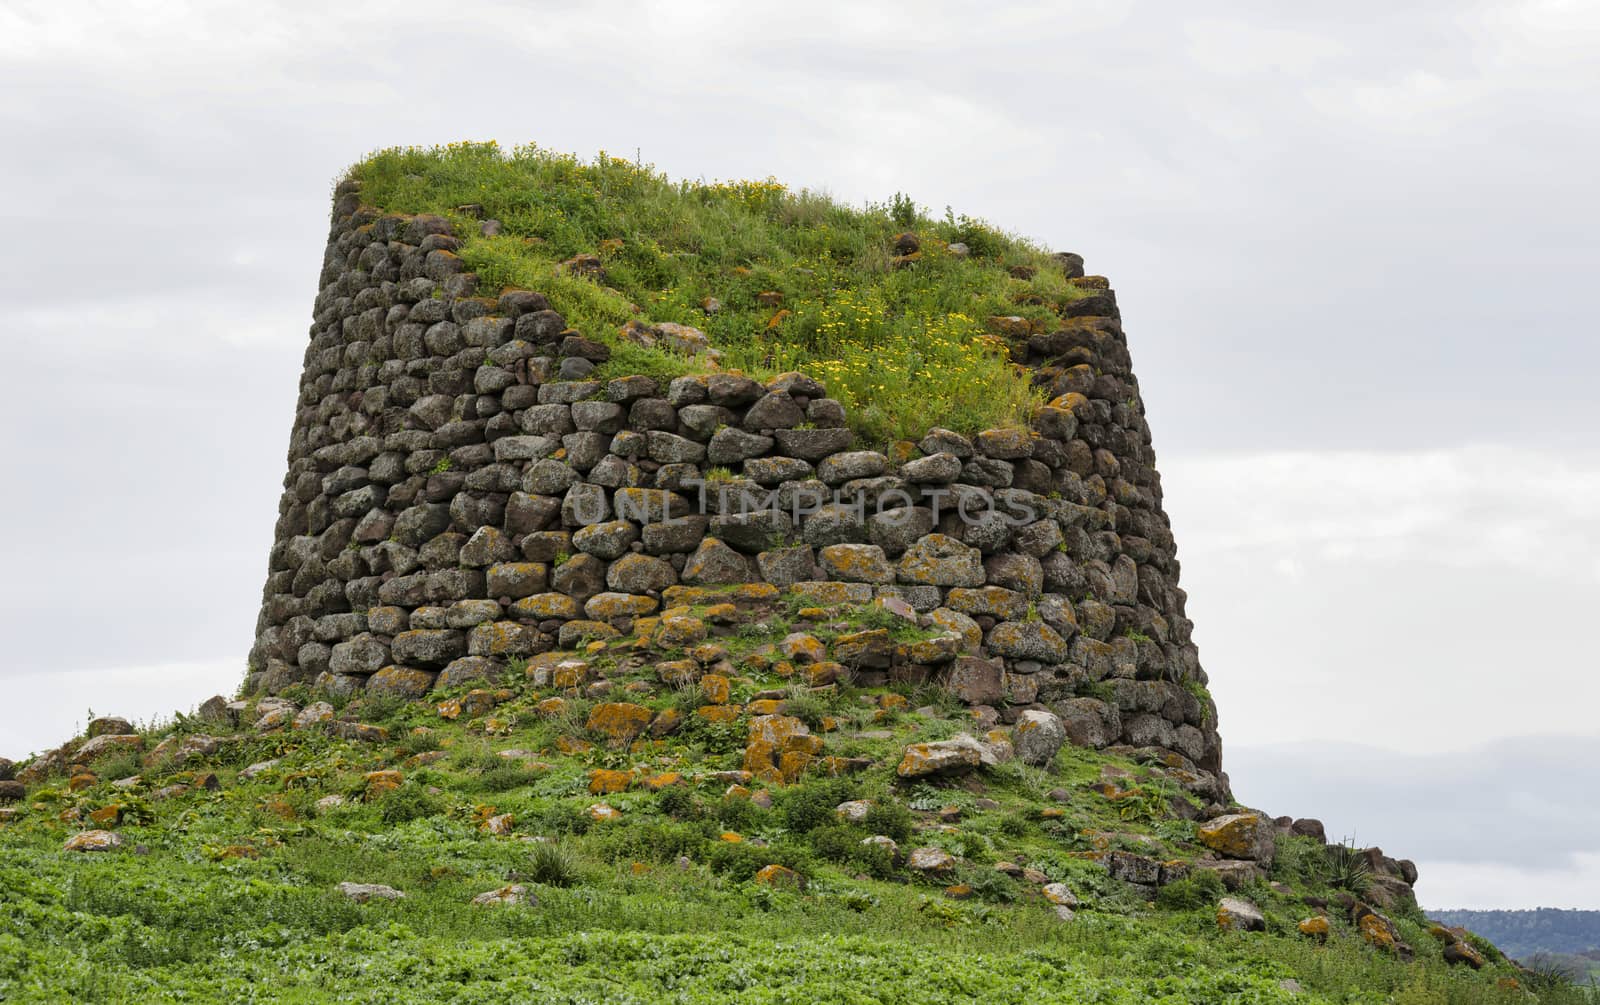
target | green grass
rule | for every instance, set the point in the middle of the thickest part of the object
(904, 348)
(230, 895)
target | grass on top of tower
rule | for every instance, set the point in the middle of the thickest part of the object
(795, 280)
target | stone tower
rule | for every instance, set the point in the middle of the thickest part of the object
(460, 498)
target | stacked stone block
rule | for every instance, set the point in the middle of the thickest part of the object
(461, 493)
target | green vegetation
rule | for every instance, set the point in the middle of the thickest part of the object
(226, 889)
(799, 281)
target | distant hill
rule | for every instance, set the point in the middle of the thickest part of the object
(1521, 934)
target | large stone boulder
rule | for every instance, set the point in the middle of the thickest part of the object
(941, 560)
(960, 753)
(1235, 915)
(1038, 736)
(1249, 836)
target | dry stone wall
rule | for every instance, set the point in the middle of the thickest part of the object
(462, 494)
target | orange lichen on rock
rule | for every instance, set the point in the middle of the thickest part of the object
(605, 781)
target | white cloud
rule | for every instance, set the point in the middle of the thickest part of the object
(1487, 887)
(1524, 508)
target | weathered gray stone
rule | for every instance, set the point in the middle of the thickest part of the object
(812, 444)
(640, 574)
(580, 576)
(939, 560)
(1014, 571)
(776, 410)
(786, 566)
(1237, 915)
(702, 421)
(856, 563)
(674, 536)
(470, 613)
(607, 540)
(835, 523)
(976, 681)
(598, 416)
(1038, 736)
(895, 530)
(470, 669)
(487, 546)
(732, 446)
(933, 469)
(516, 580)
(752, 532)
(715, 563)
(670, 448)
(770, 471)
(360, 655)
(944, 441)
(428, 647)
(839, 468)
(363, 892)
(548, 477)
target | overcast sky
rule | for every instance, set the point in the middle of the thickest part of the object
(1354, 246)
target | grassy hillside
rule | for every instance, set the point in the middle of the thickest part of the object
(778, 280)
(607, 791)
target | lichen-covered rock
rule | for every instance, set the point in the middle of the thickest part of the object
(362, 654)
(777, 875)
(361, 893)
(940, 560)
(95, 840)
(936, 468)
(970, 632)
(836, 469)
(1089, 722)
(679, 632)
(856, 563)
(608, 540)
(619, 721)
(868, 649)
(431, 648)
(515, 895)
(314, 714)
(959, 753)
(468, 669)
(930, 860)
(1240, 835)
(896, 530)
(976, 681)
(1027, 640)
(853, 811)
(400, 682)
(1038, 736)
(106, 743)
(787, 566)
(640, 574)
(605, 606)
(471, 613)
(486, 546)
(714, 563)
(994, 601)
(547, 605)
(1012, 571)
(1235, 915)
(802, 648)
(1315, 926)
(108, 725)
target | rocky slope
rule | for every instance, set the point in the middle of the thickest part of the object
(719, 805)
